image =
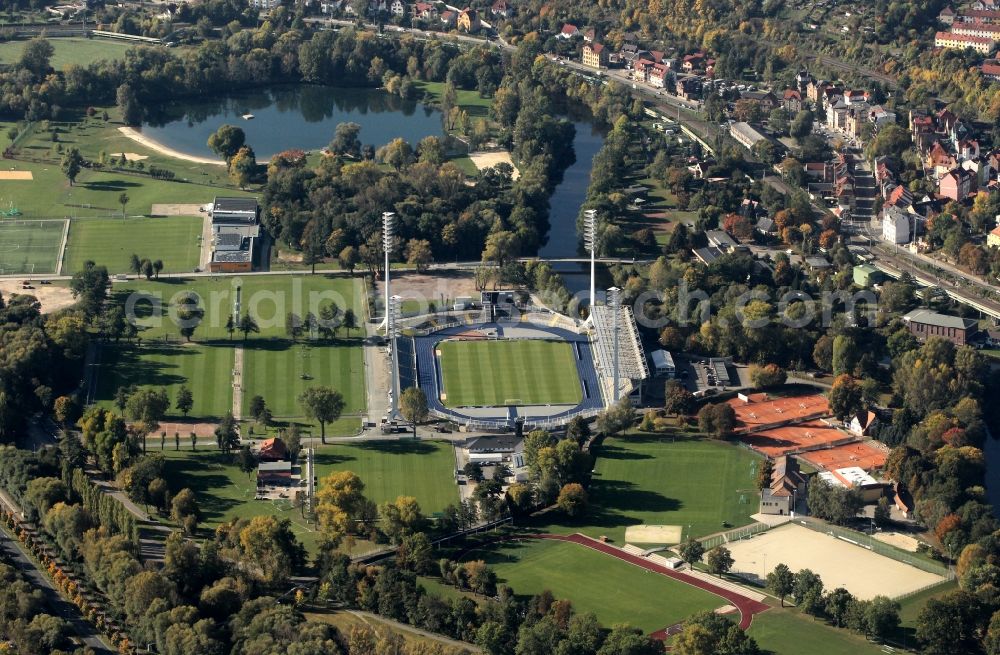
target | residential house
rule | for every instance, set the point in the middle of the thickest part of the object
(923, 324)
(993, 238)
(947, 16)
(985, 5)
(862, 423)
(272, 450)
(791, 100)
(802, 81)
(879, 116)
(397, 8)
(978, 30)
(956, 184)
(836, 115)
(963, 41)
(990, 69)
(900, 197)
(659, 76)
(765, 99)
(568, 31)
(988, 16)
(589, 35)
(425, 11)
(766, 226)
(468, 20)
(688, 88)
(693, 62)
(896, 225)
(501, 9)
(720, 239)
(787, 485)
(449, 19)
(939, 161)
(595, 55)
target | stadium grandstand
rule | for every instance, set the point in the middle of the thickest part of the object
(632, 367)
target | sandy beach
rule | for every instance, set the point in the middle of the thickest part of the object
(139, 138)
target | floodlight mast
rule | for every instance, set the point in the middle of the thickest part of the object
(614, 300)
(590, 240)
(393, 313)
(388, 226)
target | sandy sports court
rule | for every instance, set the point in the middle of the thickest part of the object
(899, 540)
(761, 410)
(488, 159)
(53, 298)
(839, 563)
(17, 175)
(175, 209)
(653, 534)
(867, 455)
(202, 430)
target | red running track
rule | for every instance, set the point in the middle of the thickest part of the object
(747, 606)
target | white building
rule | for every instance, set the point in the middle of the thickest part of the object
(896, 226)
(663, 364)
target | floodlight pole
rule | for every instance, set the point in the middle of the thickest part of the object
(388, 220)
(614, 300)
(590, 240)
(392, 313)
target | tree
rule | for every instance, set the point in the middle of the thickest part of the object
(128, 104)
(185, 400)
(227, 435)
(882, 617)
(837, 605)
(677, 399)
(883, 512)
(66, 410)
(719, 560)
(770, 375)
(71, 163)
(243, 167)
(189, 314)
(413, 406)
(950, 625)
(35, 57)
(764, 474)
(348, 258)
(691, 551)
(157, 267)
(397, 153)
(247, 325)
(227, 141)
(418, 254)
(271, 549)
(616, 418)
(147, 407)
(345, 140)
(123, 201)
(401, 518)
(717, 419)
(845, 396)
(350, 321)
(780, 582)
(247, 460)
(573, 500)
(801, 125)
(230, 326)
(322, 404)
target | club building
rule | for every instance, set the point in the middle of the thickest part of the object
(235, 234)
(923, 324)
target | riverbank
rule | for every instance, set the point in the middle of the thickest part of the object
(141, 139)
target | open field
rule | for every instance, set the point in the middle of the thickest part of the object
(787, 632)
(522, 372)
(52, 297)
(422, 469)
(346, 620)
(840, 564)
(207, 371)
(298, 365)
(617, 592)
(29, 246)
(112, 241)
(655, 480)
(70, 50)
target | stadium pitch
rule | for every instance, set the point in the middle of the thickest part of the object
(490, 373)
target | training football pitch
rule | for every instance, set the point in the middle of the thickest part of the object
(518, 372)
(617, 592)
(29, 247)
(111, 242)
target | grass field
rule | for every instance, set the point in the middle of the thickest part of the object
(29, 246)
(658, 480)
(275, 367)
(112, 241)
(422, 469)
(787, 632)
(206, 369)
(613, 590)
(339, 364)
(71, 50)
(522, 372)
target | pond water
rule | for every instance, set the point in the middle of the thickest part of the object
(293, 116)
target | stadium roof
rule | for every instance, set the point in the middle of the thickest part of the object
(631, 358)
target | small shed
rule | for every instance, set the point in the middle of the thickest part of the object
(865, 275)
(663, 364)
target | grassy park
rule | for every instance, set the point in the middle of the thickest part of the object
(656, 480)
(73, 50)
(523, 372)
(788, 631)
(422, 469)
(615, 591)
(112, 241)
(29, 246)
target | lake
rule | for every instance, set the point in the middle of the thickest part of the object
(293, 116)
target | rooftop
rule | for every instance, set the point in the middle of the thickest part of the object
(928, 317)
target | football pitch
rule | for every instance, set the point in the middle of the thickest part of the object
(111, 242)
(28, 247)
(518, 372)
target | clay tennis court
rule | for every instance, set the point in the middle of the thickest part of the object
(793, 438)
(763, 410)
(864, 454)
(16, 175)
(839, 563)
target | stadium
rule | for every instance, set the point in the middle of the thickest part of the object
(499, 365)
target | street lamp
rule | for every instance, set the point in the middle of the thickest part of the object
(388, 225)
(590, 240)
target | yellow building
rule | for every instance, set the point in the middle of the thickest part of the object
(993, 238)
(595, 55)
(468, 20)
